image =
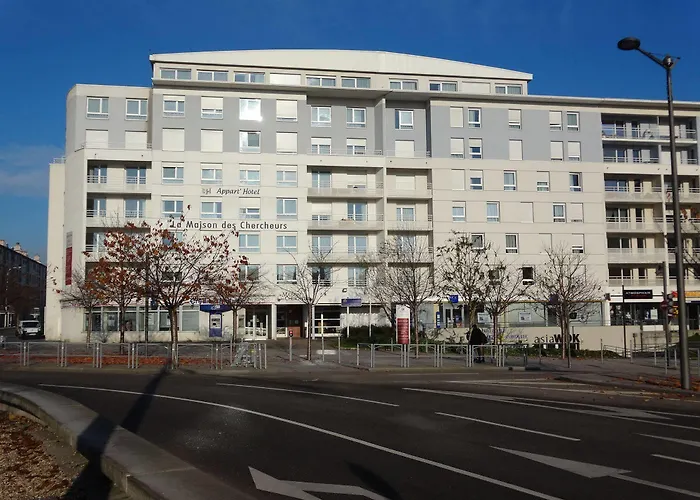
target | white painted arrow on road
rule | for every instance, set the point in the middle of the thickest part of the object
(298, 490)
(592, 471)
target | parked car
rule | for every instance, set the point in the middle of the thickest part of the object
(29, 328)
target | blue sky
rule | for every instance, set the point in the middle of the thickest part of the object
(569, 46)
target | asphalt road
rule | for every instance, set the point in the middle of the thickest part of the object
(406, 436)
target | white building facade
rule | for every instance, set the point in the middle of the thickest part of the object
(341, 150)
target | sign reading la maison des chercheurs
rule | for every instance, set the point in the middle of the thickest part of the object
(224, 225)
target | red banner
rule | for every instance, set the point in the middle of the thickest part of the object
(69, 266)
(403, 324)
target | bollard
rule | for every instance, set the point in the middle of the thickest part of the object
(631, 353)
(654, 356)
(357, 362)
(338, 348)
(290, 346)
(265, 357)
(601, 351)
(697, 352)
(371, 355)
(675, 358)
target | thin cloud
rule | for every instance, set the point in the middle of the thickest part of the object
(24, 169)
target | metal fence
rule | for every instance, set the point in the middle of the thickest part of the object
(659, 356)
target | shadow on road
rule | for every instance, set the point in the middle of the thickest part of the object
(374, 482)
(91, 483)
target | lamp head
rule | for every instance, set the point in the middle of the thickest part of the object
(629, 43)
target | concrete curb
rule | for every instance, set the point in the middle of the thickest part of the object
(141, 469)
(627, 384)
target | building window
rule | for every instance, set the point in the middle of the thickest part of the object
(509, 89)
(528, 273)
(510, 182)
(456, 117)
(320, 145)
(357, 211)
(250, 208)
(475, 152)
(286, 175)
(249, 109)
(98, 107)
(575, 212)
(459, 211)
(250, 175)
(135, 175)
(173, 139)
(248, 272)
(320, 180)
(355, 82)
(286, 110)
(515, 119)
(356, 146)
(405, 243)
(404, 148)
(493, 212)
(478, 241)
(476, 180)
(173, 173)
(457, 147)
(286, 208)
(212, 76)
(574, 150)
(572, 121)
(556, 150)
(515, 149)
(321, 245)
(406, 214)
(321, 276)
(211, 210)
(403, 119)
(403, 84)
(320, 81)
(249, 77)
(357, 276)
(212, 107)
(249, 242)
(444, 86)
(174, 105)
(175, 74)
(211, 173)
(356, 117)
(320, 116)
(527, 212)
(172, 208)
(286, 273)
(577, 243)
(555, 120)
(286, 142)
(137, 109)
(575, 181)
(249, 142)
(211, 141)
(511, 243)
(357, 244)
(475, 117)
(558, 212)
(134, 208)
(543, 182)
(285, 79)
(286, 243)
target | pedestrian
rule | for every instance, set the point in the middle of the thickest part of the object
(477, 338)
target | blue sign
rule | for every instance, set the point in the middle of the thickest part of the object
(454, 299)
(351, 302)
(219, 308)
(438, 320)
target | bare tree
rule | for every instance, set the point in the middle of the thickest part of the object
(402, 273)
(85, 292)
(462, 269)
(310, 282)
(565, 285)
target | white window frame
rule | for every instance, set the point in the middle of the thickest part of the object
(510, 186)
(213, 113)
(553, 156)
(179, 101)
(208, 75)
(283, 242)
(355, 147)
(579, 248)
(245, 174)
(248, 77)
(542, 185)
(215, 213)
(140, 208)
(320, 148)
(406, 213)
(572, 218)
(286, 273)
(316, 115)
(249, 272)
(514, 124)
(178, 74)
(493, 218)
(351, 117)
(243, 137)
(283, 182)
(353, 81)
(247, 112)
(512, 89)
(477, 122)
(559, 218)
(403, 119)
(528, 281)
(478, 240)
(353, 248)
(403, 84)
(576, 127)
(511, 248)
(280, 116)
(439, 86)
(474, 186)
(247, 247)
(357, 276)
(143, 109)
(569, 153)
(575, 181)
(456, 117)
(216, 168)
(103, 104)
(459, 211)
(555, 121)
(317, 247)
(518, 144)
(179, 171)
(177, 202)
(249, 212)
(476, 152)
(323, 81)
(459, 151)
(285, 213)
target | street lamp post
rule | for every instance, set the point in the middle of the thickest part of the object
(667, 63)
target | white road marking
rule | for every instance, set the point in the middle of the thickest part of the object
(308, 392)
(512, 400)
(299, 490)
(674, 440)
(682, 460)
(368, 444)
(658, 486)
(487, 422)
(674, 414)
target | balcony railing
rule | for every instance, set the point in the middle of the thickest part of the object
(99, 212)
(626, 159)
(652, 133)
(411, 193)
(634, 224)
(348, 190)
(115, 145)
(627, 281)
(636, 255)
(623, 193)
(133, 214)
(407, 224)
(327, 151)
(342, 256)
(101, 183)
(350, 223)
(95, 252)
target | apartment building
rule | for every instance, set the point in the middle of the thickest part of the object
(22, 285)
(341, 150)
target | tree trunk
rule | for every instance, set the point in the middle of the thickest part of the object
(564, 336)
(89, 326)
(173, 337)
(122, 324)
(414, 313)
(235, 324)
(309, 331)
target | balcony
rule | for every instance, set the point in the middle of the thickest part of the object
(324, 190)
(688, 225)
(114, 151)
(327, 151)
(93, 253)
(636, 255)
(343, 257)
(632, 225)
(102, 184)
(614, 193)
(421, 255)
(646, 134)
(411, 194)
(411, 225)
(626, 159)
(346, 223)
(136, 146)
(628, 281)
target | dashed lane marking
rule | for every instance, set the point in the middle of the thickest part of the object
(522, 429)
(309, 392)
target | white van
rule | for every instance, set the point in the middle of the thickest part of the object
(29, 328)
